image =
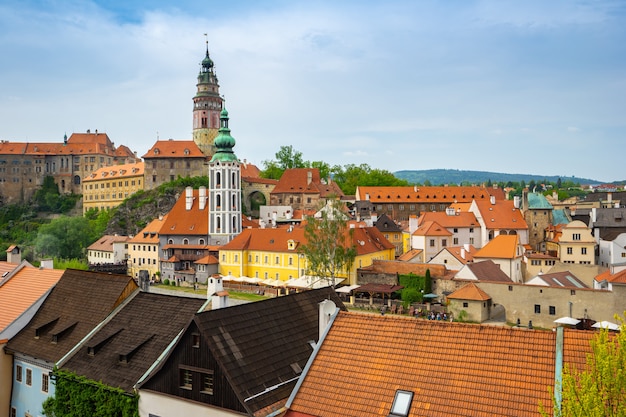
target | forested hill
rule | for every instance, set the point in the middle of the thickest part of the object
(455, 176)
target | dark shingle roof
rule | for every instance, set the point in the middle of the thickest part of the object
(141, 330)
(488, 271)
(78, 302)
(263, 344)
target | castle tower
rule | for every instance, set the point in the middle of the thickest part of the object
(224, 187)
(207, 105)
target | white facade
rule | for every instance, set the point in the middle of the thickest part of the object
(612, 252)
(225, 200)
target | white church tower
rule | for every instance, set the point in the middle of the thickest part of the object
(224, 187)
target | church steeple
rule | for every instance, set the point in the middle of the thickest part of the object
(224, 187)
(207, 105)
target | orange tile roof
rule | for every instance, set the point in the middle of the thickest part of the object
(249, 171)
(421, 194)
(459, 219)
(453, 369)
(431, 228)
(116, 171)
(617, 278)
(457, 250)
(407, 256)
(21, 291)
(500, 247)
(105, 243)
(295, 180)
(470, 292)
(501, 215)
(180, 221)
(150, 233)
(174, 149)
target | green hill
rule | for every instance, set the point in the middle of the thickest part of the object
(455, 176)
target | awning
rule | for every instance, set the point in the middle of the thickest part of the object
(431, 295)
(312, 282)
(347, 289)
(567, 320)
(379, 288)
(606, 325)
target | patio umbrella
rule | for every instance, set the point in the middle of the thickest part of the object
(567, 320)
(431, 295)
(606, 325)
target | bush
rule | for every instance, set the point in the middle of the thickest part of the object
(166, 281)
(173, 283)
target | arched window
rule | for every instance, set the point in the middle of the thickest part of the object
(185, 241)
(76, 180)
(218, 223)
(235, 224)
(170, 241)
(218, 179)
(218, 201)
(234, 202)
(200, 241)
(233, 181)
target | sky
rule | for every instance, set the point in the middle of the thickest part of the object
(519, 87)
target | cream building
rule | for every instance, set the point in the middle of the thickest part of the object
(143, 250)
(107, 187)
(576, 244)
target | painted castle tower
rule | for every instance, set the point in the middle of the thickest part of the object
(207, 105)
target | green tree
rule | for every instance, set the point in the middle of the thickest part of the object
(64, 237)
(329, 248)
(287, 158)
(599, 389)
(352, 176)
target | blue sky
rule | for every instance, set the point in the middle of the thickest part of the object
(533, 87)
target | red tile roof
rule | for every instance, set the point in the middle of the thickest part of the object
(430, 228)
(181, 221)
(453, 369)
(501, 215)
(422, 194)
(174, 149)
(150, 233)
(616, 278)
(458, 219)
(105, 243)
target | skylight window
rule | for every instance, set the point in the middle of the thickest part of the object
(401, 404)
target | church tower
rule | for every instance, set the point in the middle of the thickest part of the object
(224, 187)
(207, 105)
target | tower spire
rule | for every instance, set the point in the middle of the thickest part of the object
(207, 104)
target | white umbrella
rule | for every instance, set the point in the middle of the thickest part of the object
(567, 320)
(606, 325)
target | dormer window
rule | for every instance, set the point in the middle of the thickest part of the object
(156, 151)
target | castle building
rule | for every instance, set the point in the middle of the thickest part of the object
(207, 105)
(24, 165)
(107, 187)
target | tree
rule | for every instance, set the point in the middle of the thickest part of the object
(64, 237)
(288, 158)
(599, 389)
(329, 248)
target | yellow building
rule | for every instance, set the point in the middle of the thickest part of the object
(143, 250)
(275, 253)
(107, 187)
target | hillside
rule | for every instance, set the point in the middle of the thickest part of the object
(455, 176)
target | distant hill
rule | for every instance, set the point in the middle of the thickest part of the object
(455, 176)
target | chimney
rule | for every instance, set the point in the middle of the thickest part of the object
(412, 224)
(367, 196)
(327, 309)
(516, 201)
(14, 255)
(609, 197)
(188, 198)
(593, 215)
(202, 197)
(309, 177)
(463, 253)
(492, 199)
(466, 246)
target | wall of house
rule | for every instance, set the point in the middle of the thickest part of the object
(6, 378)
(108, 193)
(612, 252)
(477, 311)
(520, 300)
(262, 264)
(28, 398)
(143, 256)
(155, 404)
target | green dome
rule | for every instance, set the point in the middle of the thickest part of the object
(224, 142)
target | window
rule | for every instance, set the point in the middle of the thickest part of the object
(537, 309)
(471, 240)
(186, 379)
(195, 340)
(572, 292)
(207, 383)
(44, 382)
(13, 412)
(277, 260)
(576, 236)
(29, 377)
(401, 403)
(456, 230)
(465, 304)
(444, 242)
(570, 250)
(432, 243)
(18, 373)
(510, 288)
(535, 262)
(583, 251)
(552, 311)
(471, 230)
